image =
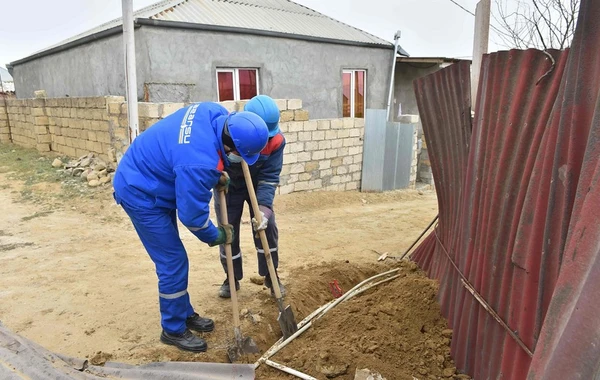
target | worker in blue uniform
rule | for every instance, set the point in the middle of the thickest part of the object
(169, 171)
(265, 175)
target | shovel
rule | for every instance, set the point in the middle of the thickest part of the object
(241, 346)
(286, 319)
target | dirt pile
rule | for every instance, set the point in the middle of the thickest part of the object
(395, 329)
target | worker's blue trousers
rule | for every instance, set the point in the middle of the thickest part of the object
(236, 198)
(157, 229)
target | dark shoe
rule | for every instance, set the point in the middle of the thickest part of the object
(269, 284)
(186, 341)
(225, 290)
(200, 324)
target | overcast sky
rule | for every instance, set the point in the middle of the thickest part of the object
(429, 27)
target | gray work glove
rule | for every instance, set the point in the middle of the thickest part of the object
(266, 214)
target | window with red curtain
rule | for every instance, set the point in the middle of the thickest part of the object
(346, 94)
(353, 93)
(225, 83)
(237, 84)
(359, 94)
(247, 83)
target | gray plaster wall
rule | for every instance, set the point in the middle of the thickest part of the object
(288, 69)
(93, 69)
(404, 93)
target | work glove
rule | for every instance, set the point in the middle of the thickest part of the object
(225, 236)
(266, 214)
(223, 184)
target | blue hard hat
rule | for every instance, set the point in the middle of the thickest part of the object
(265, 107)
(249, 134)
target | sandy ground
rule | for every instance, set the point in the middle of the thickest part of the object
(75, 278)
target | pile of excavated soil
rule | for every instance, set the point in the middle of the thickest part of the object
(395, 329)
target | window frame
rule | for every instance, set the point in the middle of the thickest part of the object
(236, 81)
(352, 73)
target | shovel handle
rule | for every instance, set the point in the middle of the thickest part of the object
(230, 273)
(261, 233)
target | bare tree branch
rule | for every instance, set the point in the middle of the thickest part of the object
(543, 24)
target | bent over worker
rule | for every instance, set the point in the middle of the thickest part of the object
(169, 171)
(265, 175)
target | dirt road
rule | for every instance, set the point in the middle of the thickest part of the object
(75, 278)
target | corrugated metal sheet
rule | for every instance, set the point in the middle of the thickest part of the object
(22, 359)
(272, 15)
(519, 209)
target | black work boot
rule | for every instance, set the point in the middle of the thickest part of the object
(225, 290)
(269, 284)
(186, 341)
(200, 324)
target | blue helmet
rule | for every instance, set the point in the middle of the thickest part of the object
(249, 134)
(265, 107)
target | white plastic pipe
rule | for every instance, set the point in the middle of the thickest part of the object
(393, 76)
(130, 69)
(289, 370)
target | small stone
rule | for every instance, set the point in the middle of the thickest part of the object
(77, 172)
(57, 163)
(447, 333)
(100, 166)
(423, 371)
(104, 180)
(94, 183)
(332, 371)
(42, 159)
(92, 176)
(367, 374)
(102, 173)
(255, 318)
(111, 155)
(85, 173)
(85, 162)
(244, 312)
(258, 280)
(69, 171)
(447, 372)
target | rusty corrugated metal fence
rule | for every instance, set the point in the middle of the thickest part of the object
(516, 246)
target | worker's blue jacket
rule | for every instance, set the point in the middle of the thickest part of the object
(174, 165)
(265, 172)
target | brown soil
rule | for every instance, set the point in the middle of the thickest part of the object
(395, 329)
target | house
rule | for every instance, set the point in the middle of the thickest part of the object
(217, 50)
(6, 81)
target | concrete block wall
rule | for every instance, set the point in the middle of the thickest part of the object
(21, 121)
(4, 127)
(322, 155)
(78, 126)
(425, 173)
(319, 155)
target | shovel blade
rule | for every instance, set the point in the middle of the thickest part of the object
(242, 346)
(287, 322)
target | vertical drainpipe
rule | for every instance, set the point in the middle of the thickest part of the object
(130, 69)
(389, 103)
